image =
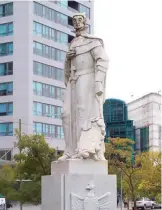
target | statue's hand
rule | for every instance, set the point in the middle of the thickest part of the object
(70, 54)
(98, 88)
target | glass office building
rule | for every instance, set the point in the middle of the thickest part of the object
(34, 38)
(116, 120)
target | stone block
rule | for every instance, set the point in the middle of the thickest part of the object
(70, 183)
(80, 167)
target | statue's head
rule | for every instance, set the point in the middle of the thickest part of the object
(79, 21)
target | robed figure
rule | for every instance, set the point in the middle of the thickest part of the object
(85, 73)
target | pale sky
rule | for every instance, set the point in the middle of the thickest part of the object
(132, 33)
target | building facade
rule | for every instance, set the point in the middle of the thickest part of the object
(116, 120)
(146, 113)
(34, 38)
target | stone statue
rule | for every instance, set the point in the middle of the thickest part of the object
(85, 73)
(91, 202)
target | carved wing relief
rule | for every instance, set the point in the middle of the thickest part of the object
(77, 202)
(104, 201)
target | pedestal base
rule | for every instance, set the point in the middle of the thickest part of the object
(72, 186)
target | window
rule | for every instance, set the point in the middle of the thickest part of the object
(84, 9)
(6, 129)
(45, 71)
(37, 28)
(144, 138)
(48, 130)
(60, 55)
(6, 48)
(6, 109)
(38, 68)
(62, 19)
(47, 110)
(73, 5)
(50, 14)
(62, 37)
(59, 132)
(6, 68)
(48, 52)
(37, 128)
(6, 88)
(47, 90)
(38, 48)
(37, 88)
(6, 29)
(61, 3)
(59, 74)
(37, 109)
(6, 9)
(5, 154)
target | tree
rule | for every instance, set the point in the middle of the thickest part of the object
(150, 174)
(7, 179)
(119, 153)
(33, 162)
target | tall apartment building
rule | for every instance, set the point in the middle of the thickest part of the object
(146, 113)
(34, 37)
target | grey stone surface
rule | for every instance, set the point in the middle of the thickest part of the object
(72, 177)
(103, 184)
(52, 189)
(57, 189)
(77, 166)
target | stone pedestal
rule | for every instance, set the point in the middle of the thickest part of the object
(79, 185)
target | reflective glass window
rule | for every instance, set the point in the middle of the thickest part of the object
(6, 129)
(84, 9)
(10, 28)
(10, 109)
(6, 9)
(3, 29)
(39, 128)
(51, 14)
(10, 48)
(2, 69)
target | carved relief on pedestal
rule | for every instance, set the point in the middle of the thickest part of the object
(91, 201)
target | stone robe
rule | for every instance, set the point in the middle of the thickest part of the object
(83, 122)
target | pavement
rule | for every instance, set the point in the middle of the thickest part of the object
(31, 207)
(26, 207)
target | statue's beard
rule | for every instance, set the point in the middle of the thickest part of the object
(80, 28)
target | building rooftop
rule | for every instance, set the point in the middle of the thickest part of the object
(114, 99)
(145, 96)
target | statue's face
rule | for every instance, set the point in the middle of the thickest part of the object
(78, 22)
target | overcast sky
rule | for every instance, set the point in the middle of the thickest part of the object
(132, 33)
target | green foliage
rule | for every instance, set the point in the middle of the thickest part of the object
(23, 182)
(33, 162)
(141, 177)
(119, 153)
(35, 158)
(7, 177)
(150, 175)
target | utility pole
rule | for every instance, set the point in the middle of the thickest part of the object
(121, 197)
(20, 157)
(56, 152)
